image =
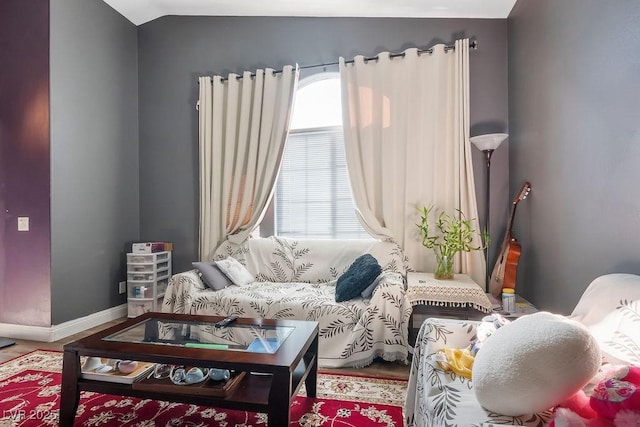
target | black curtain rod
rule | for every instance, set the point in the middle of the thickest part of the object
(473, 44)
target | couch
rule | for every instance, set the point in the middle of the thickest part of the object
(609, 309)
(296, 279)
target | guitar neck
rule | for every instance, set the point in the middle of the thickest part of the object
(510, 225)
(522, 194)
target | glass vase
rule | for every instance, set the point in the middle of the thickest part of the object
(444, 268)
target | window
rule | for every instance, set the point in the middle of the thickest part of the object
(313, 198)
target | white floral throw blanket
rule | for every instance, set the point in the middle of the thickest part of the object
(295, 279)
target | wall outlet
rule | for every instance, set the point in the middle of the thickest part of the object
(122, 287)
(23, 223)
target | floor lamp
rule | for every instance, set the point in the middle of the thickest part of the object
(488, 143)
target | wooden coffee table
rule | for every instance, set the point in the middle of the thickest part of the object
(164, 337)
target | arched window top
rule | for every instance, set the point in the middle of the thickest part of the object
(317, 103)
(313, 198)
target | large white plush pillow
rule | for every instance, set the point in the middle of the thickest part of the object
(534, 363)
(235, 271)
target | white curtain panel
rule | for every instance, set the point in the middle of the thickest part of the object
(243, 127)
(406, 122)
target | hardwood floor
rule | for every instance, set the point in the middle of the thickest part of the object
(378, 368)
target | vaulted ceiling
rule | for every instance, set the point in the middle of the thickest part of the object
(141, 11)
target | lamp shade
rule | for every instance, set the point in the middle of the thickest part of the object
(489, 141)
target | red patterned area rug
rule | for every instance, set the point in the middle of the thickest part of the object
(30, 393)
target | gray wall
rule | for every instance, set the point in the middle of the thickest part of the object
(174, 51)
(574, 105)
(94, 155)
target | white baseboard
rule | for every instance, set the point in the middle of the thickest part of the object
(63, 330)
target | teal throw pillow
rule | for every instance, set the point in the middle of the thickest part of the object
(362, 273)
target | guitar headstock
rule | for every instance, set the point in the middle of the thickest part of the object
(523, 193)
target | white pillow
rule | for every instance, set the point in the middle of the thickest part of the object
(235, 271)
(534, 363)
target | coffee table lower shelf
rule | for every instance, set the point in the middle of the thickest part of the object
(250, 394)
(205, 388)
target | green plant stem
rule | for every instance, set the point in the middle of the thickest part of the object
(453, 234)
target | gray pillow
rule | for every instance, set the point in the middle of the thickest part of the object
(211, 275)
(369, 290)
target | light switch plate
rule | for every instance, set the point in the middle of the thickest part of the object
(23, 223)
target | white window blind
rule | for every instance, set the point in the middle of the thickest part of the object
(313, 198)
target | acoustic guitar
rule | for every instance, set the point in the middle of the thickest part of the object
(504, 271)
